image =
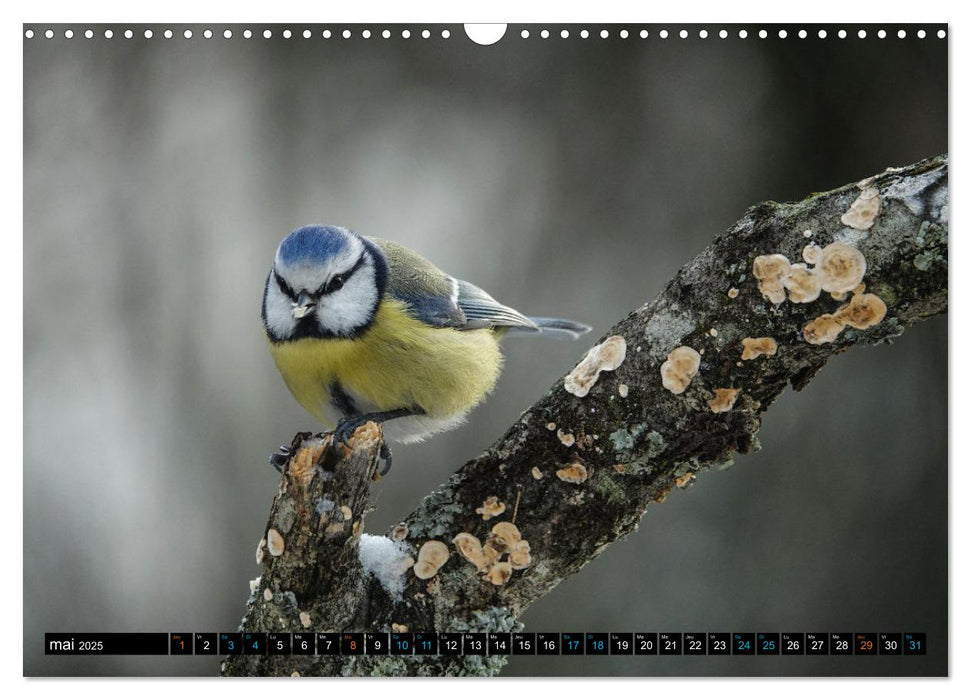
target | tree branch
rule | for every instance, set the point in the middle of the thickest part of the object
(576, 472)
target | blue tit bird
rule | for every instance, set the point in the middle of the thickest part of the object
(364, 329)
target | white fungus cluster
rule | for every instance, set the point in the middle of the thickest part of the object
(865, 209)
(678, 370)
(838, 268)
(606, 357)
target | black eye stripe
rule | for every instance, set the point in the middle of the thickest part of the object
(332, 285)
(338, 281)
(284, 287)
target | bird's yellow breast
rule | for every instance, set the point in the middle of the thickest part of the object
(398, 362)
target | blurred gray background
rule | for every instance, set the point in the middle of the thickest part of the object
(563, 175)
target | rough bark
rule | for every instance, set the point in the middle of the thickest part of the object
(635, 444)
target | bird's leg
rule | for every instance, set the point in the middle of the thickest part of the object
(348, 424)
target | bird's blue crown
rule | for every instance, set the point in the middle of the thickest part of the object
(316, 243)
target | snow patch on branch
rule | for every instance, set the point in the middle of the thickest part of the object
(386, 560)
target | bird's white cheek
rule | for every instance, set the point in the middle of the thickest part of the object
(349, 308)
(279, 314)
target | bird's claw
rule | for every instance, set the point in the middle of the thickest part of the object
(344, 430)
(278, 460)
(386, 456)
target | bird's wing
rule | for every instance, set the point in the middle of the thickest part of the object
(441, 300)
(482, 310)
(430, 295)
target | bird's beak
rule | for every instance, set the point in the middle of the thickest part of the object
(303, 306)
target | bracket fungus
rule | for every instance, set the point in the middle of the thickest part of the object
(841, 267)
(771, 271)
(274, 542)
(469, 546)
(424, 570)
(724, 400)
(575, 472)
(431, 556)
(823, 329)
(803, 284)
(606, 357)
(862, 311)
(506, 534)
(519, 556)
(680, 368)
(504, 540)
(756, 347)
(491, 507)
(434, 552)
(864, 210)
(499, 573)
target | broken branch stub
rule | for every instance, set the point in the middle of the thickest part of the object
(312, 571)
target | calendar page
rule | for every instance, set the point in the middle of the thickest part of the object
(543, 350)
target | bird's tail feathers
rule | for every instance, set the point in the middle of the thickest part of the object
(553, 327)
